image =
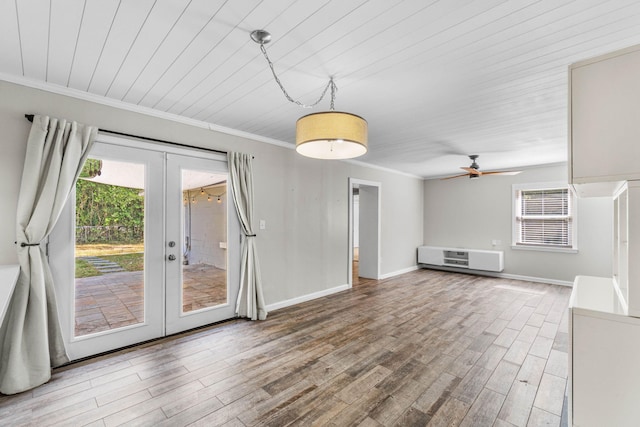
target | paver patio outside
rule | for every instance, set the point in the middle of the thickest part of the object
(115, 300)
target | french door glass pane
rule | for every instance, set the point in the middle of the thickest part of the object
(204, 246)
(109, 250)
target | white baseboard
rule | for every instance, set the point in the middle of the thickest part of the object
(503, 275)
(535, 279)
(305, 298)
(320, 294)
(399, 272)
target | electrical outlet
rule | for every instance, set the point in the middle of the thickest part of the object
(496, 242)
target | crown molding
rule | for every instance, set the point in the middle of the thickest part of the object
(382, 168)
(102, 100)
(86, 96)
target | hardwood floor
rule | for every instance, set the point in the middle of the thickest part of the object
(426, 347)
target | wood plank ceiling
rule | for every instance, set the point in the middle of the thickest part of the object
(436, 80)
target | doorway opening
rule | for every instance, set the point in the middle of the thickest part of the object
(364, 231)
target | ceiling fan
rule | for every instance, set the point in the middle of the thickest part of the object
(474, 172)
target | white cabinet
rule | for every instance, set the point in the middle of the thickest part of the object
(430, 255)
(626, 246)
(604, 372)
(604, 148)
(473, 259)
(486, 260)
(604, 122)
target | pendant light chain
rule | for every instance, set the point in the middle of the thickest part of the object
(326, 134)
(331, 84)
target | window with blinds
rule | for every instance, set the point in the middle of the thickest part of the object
(544, 217)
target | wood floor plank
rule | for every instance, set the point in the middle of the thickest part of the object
(463, 363)
(143, 385)
(390, 410)
(413, 417)
(557, 364)
(47, 403)
(398, 379)
(550, 394)
(484, 410)
(541, 347)
(472, 384)
(536, 320)
(482, 342)
(103, 411)
(363, 384)
(528, 334)
(496, 327)
(561, 342)
(208, 413)
(185, 401)
(548, 330)
(491, 357)
(430, 401)
(531, 370)
(517, 406)
(539, 417)
(517, 352)
(506, 337)
(358, 410)
(148, 406)
(423, 347)
(269, 407)
(521, 318)
(451, 413)
(318, 415)
(149, 419)
(502, 377)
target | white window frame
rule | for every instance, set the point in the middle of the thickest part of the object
(515, 224)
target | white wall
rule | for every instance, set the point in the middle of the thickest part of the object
(368, 221)
(208, 228)
(471, 213)
(356, 221)
(304, 248)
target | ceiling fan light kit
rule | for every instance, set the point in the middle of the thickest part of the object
(324, 135)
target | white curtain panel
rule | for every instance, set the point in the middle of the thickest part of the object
(250, 298)
(31, 336)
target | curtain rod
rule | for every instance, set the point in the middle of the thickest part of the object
(30, 118)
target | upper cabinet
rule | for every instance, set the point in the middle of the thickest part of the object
(604, 122)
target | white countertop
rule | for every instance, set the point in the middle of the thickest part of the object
(596, 294)
(8, 278)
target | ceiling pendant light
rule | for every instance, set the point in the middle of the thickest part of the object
(324, 135)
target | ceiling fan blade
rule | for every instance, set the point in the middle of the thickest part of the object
(502, 173)
(455, 176)
(473, 171)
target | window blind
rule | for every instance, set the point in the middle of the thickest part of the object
(544, 217)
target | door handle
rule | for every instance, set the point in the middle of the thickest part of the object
(172, 257)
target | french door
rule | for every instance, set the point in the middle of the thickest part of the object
(147, 246)
(200, 218)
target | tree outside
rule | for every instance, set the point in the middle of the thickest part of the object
(109, 223)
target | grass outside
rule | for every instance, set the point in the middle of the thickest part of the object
(100, 249)
(130, 262)
(129, 256)
(84, 269)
